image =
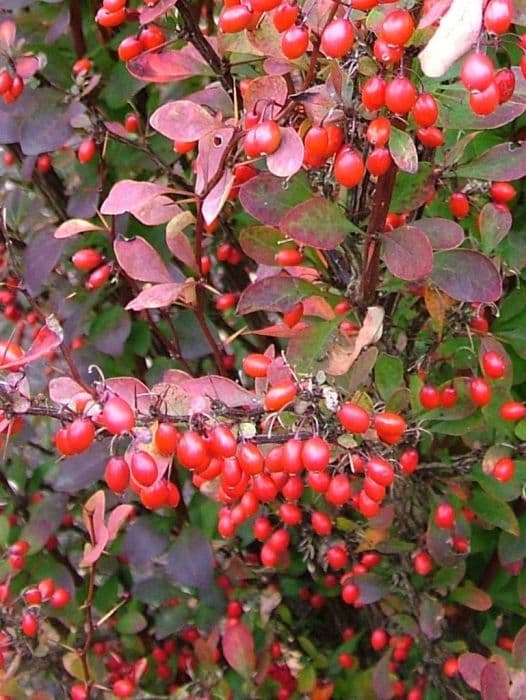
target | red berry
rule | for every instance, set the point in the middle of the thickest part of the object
(409, 460)
(86, 259)
(256, 365)
(29, 624)
(445, 515)
(480, 391)
(379, 639)
(498, 16)
(339, 490)
(86, 151)
(294, 42)
(379, 161)
(117, 474)
(400, 95)
(316, 454)
(397, 28)
(350, 593)
(380, 470)
(512, 411)
(429, 397)
(425, 110)
(373, 93)
(143, 468)
(422, 563)
(110, 19)
(349, 167)
(486, 101)
(450, 667)
(505, 80)
(280, 394)
(493, 364)
(448, 397)
(321, 523)
(81, 434)
(192, 451)
(123, 688)
(166, 439)
(292, 317)
(60, 598)
(504, 470)
(477, 72)
(285, 15)
(459, 205)
(288, 257)
(337, 38)
(117, 416)
(502, 192)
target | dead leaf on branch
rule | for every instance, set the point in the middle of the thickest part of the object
(343, 354)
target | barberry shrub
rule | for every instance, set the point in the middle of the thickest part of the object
(262, 350)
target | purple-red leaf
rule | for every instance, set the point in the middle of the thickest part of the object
(268, 198)
(271, 89)
(504, 162)
(178, 244)
(466, 275)
(471, 666)
(157, 297)
(183, 120)
(190, 560)
(168, 66)
(407, 253)
(472, 597)
(278, 293)
(495, 224)
(238, 649)
(93, 516)
(288, 158)
(213, 148)
(316, 222)
(145, 200)
(73, 227)
(7, 35)
(443, 234)
(216, 198)
(382, 679)
(150, 14)
(220, 389)
(372, 588)
(495, 681)
(46, 340)
(140, 260)
(519, 647)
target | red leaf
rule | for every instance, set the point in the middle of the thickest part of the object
(63, 389)
(213, 148)
(216, 198)
(268, 88)
(495, 224)
(316, 222)
(150, 14)
(471, 667)
(140, 260)
(318, 306)
(178, 244)
(7, 35)
(519, 647)
(27, 66)
(93, 516)
(434, 13)
(288, 158)
(46, 340)
(157, 297)
(238, 649)
(267, 198)
(145, 200)
(466, 275)
(117, 129)
(74, 227)
(443, 234)
(168, 66)
(217, 388)
(407, 253)
(281, 330)
(118, 517)
(132, 391)
(183, 120)
(504, 162)
(495, 681)
(383, 681)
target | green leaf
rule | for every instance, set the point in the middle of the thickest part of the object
(472, 597)
(494, 512)
(278, 293)
(268, 198)
(261, 243)
(308, 351)
(169, 621)
(412, 190)
(131, 623)
(388, 375)
(403, 151)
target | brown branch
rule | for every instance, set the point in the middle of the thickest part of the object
(75, 25)
(199, 41)
(371, 254)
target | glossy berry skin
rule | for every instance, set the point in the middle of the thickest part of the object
(117, 416)
(285, 15)
(29, 624)
(422, 563)
(315, 454)
(143, 468)
(397, 28)
(337, 38)
(86, 151)
(480, 391)
(192, 451)
(459, 205)
(110, 19)
(380, 470)
(123, 688)
(289, 257)
(502, 192)
(400, 95)
(379, 161)
(81, 434)
(389, 424)
(493, 364)
(486, 101)
(166, 439)
(477, 72)
(294, 42)
(256, 365)
(504, 470)
(425, 110)
(373, 93)
(429, 397)
(117, 474)
(498, 16)
(512, 411)
(505, 80)
(234, 19)
(86, 259)
(353, 418)
(130, 47)
(445, 516)
(280, 394)
(379, 639)
(378, 131)
(349, 168)
(409, 460)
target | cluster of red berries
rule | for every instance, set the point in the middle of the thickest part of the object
(11, 86)
(92, 261)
